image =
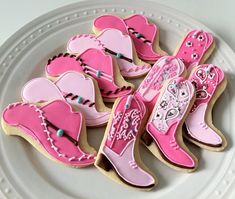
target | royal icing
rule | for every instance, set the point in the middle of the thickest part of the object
(143, 33)
(115, 43)
(206, 79)
(71, 86)
(55, 127)
(95, 63)
(119, 147)
(194, 47)
(165, 68)
(165, 120)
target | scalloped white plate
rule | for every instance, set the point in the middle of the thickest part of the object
(25, 173)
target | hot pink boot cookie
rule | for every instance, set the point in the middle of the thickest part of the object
(196, 47)
(165, 125)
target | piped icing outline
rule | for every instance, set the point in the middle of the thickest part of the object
(206, 79)
(106, 80)
(41, 116)
(194, 47)
(109, 40)
(130, 26)
(43, 90)
(171, 107)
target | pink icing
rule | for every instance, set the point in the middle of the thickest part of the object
(120, 143)
(117, 42)
(43, 90)
(92, 62)
(165, 68)
(164, 121)
(137, 26)
(194, 47)
(206, 79)
(32, 120)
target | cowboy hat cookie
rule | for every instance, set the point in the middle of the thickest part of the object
(145, 35)
(79, 90)
(165, 68)
(164, 127)
(53, 129)
(97, 64)
(118, 156)
(114, 43)
(210, 82)
(195, 48)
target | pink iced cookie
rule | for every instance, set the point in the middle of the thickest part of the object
(143, 34)
(97, 64)
(54, 129)
(115, 43)
(120, 143)
(165, 125)
(208, 79)
(165, 68)
(73, 87)
(195, 48)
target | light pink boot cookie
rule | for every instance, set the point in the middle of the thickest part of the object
(97, 64)
(118, 155)
(164, 69)
(54, 130)
(209, 82)
(114, 43)
(144, 35)
(165, 125)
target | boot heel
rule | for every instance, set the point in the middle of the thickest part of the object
(104, 163)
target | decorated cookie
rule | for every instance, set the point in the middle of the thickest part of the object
(53, 129)
(164, 127)
(115, 43)
(165, 68)
(76, 88)
(144, 35)
(118, 157)
(196, 47)
(97, 64)
(209, 81)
